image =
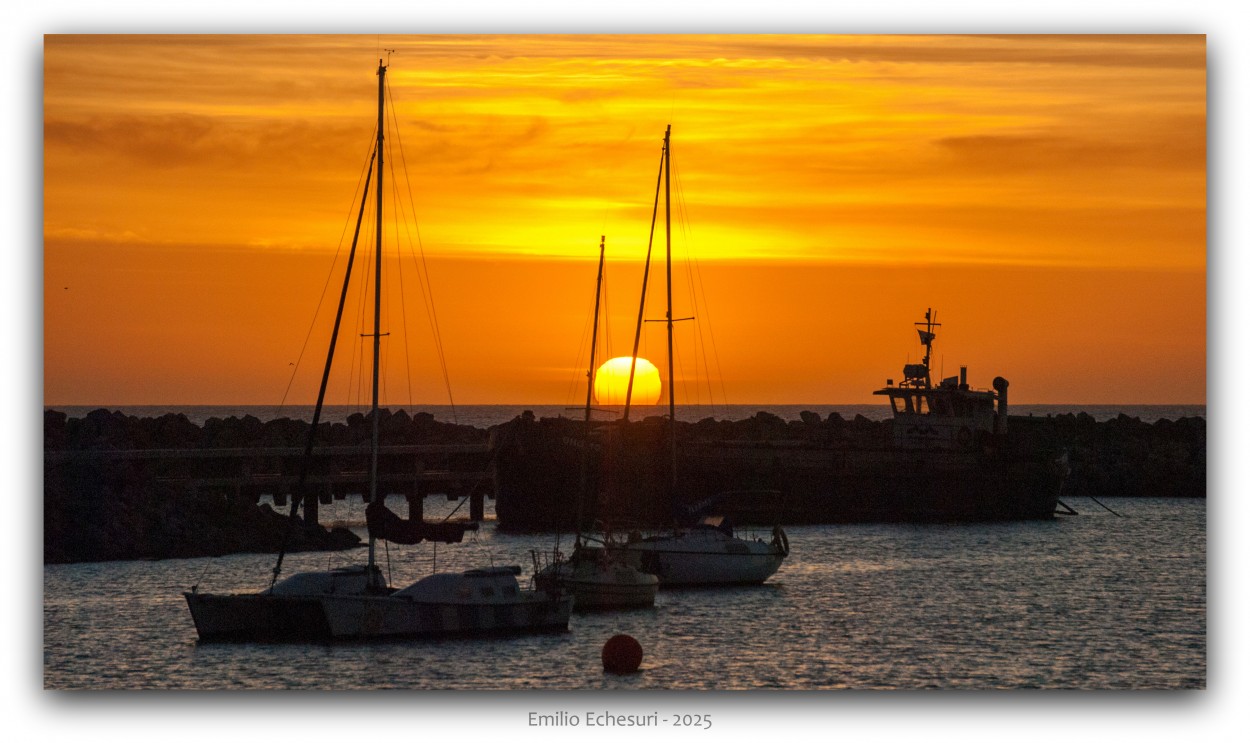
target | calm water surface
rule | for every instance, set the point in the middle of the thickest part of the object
(1090, 601)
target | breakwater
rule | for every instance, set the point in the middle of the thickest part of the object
(102, 508)
(123, 487)
(765, 469)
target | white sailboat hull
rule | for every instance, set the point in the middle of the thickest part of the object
(603, 579)
(611, 595)
(707, 557)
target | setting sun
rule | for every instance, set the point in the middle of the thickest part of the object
(612, 381)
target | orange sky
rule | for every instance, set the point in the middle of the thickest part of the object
(1045, 194)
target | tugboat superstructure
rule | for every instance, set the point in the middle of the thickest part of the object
(950, 415)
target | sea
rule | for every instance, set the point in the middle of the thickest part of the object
(1100, 600)
(484, 416)
(1113, 598)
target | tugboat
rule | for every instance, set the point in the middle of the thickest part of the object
(947, 454)
(950, 415)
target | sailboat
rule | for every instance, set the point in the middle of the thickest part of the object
(355, 602)
(706, 553)
(598, 577)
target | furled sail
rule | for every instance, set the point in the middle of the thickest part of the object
(385, 524)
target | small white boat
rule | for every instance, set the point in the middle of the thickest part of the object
(706, 555)
(600, 578)
(355, 603)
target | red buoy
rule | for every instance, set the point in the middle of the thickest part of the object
(621, 654)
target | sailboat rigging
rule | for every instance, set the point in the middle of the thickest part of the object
(707, 553)
(597, 576)
(356, 602)
(646, 274)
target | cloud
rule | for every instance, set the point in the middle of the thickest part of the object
(1012, 153)
(163, 141)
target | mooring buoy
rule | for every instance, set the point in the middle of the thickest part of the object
(621, 654)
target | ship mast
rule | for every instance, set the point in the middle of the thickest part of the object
(668, 265)
(377, 316)
(590, 385)
(663, 175)
(926, 339)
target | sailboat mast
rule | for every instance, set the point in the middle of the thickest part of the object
(590, 385)
(668, 264)
(594, 333)
(646, 273)
(377, 309)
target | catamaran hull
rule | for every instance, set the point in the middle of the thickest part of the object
(267, 618)
(256, 617)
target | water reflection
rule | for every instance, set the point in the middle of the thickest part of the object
(1092, 601)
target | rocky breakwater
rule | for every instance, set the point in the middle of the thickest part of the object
(102, 502)
(832, 469)
(1122, 456)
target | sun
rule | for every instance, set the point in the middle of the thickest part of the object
(612, 379)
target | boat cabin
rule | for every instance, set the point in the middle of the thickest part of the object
(348, 581)
(496, 585)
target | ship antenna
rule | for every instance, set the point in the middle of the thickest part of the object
(926, 339)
